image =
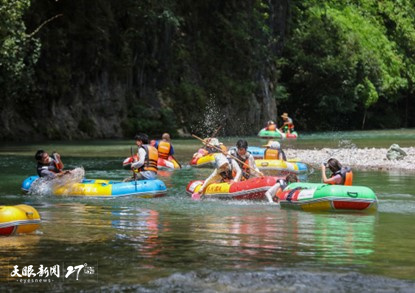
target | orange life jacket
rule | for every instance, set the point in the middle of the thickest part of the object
(271, 154)
(272, 127)
(164, 148)
(346, 174)
(150, 162)
(246, 170)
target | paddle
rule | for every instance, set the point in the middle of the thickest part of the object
(134, 174)
(216, 131)
(180, 166)
(228, 154)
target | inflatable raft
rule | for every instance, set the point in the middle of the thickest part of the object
(325, 197)
(18, 219)
(252, 189)
(264, 133)
(280, 166)
(205, 161)
(169, 164)
(105, 188)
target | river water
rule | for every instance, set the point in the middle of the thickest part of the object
(174, 244)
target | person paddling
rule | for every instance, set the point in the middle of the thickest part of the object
(245, 160)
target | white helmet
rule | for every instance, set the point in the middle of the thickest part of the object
(275, 145)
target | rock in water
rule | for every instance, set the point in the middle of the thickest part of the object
(395, 153)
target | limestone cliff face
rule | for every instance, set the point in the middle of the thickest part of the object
(109, 69)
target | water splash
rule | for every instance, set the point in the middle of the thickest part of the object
(213, 117)
(350, 148)
(45, 186)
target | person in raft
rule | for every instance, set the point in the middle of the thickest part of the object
(227, 170)
(271, 126)
(211, 145)
(164, 146)
(279, 186)
(49, 167)
(340, 175)
(274, 151)
(245, 160)
(145, 168)
(287, 126)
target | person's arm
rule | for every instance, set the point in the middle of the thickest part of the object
(171, 153)
(211, 179)
(141, 159)
(58, 161)
(238, 171)
(46, 173)
(333, 180)
(272, 192)
(253, 166)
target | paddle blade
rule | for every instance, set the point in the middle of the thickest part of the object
(196, 196)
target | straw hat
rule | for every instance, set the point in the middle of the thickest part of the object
(284, 115)
(272, 144)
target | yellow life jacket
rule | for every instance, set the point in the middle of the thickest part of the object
(164, 149)
(271, 154)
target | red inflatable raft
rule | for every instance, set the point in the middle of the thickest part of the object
(252, 189)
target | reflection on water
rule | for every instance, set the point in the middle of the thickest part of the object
(176, 244)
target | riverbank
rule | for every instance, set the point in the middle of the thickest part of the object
(361, 159)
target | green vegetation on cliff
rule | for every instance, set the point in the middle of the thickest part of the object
(112, 68)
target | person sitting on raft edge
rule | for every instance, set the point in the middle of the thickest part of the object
(288, 125)
(49, 167)
(340, 175)
(227, 170)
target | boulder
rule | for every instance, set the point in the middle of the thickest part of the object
(395, 153)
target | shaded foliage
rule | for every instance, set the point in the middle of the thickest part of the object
(113, 68)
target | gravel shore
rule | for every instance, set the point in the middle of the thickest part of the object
(360, 159)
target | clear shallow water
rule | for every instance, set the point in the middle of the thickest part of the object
(176, 244)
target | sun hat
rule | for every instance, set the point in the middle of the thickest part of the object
(284, 115)
(213, 141)
(272, 144)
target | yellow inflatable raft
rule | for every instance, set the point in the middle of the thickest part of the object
(18, 219)
(281, 166)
